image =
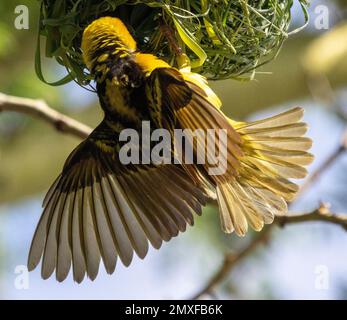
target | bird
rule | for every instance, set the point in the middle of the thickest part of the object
(101, 209)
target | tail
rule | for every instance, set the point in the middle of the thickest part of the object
(275, 150)
(261, 158)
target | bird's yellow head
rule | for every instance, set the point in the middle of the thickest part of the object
(103, 37)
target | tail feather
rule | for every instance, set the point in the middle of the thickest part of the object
(288, 130)
(284, 143)
(274, 151)
(298, 157)
(262, 156)
(278, 166)
(291, 116)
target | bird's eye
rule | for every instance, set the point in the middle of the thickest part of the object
(124, 79)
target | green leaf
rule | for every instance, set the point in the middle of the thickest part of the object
(191, 43)
(38, 68)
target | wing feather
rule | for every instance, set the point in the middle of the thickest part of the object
(98, 209)
(78, 247)
(39, 239)
(51, 246)
(90, 237)
(64, 242)
(103, 224)
(123, 244)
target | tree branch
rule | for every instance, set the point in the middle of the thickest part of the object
(231, 259)
(322, 213)
(39, 109)
(325, 165)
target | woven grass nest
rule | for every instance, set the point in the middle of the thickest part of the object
(223, 39)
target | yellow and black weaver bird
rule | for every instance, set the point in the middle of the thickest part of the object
(100, 209)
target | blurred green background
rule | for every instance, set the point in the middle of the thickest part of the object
(32, 154)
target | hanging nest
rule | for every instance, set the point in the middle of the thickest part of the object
(223, 39)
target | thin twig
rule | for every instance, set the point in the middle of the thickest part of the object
(325, 165)
(169, 33)
(39, 109)
(230, 260)
(322, 213)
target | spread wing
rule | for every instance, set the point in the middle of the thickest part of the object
(182, 101)
(97, 209)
